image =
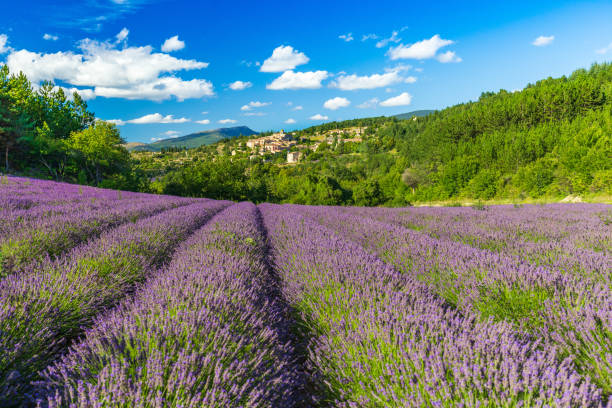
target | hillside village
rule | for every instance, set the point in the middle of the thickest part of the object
(281, 141)
(280, 147)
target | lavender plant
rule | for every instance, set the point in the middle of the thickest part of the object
(48, 305)
(208, 330)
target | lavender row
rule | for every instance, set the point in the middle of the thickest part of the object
(574, 238)
(207, 330)
(381, 338)
(38, 238)
(568, 312)
(19, 192)
(45, 307)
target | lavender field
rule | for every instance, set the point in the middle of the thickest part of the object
(117, 299)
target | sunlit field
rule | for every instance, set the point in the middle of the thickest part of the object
(110, 298)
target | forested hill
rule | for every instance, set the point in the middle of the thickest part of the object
(552, 139)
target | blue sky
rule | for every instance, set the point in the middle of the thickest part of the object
(167, 68)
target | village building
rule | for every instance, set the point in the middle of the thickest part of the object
(274, 143)
(293, 157)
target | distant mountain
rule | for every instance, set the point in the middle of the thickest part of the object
(193, 140)
(409, 115)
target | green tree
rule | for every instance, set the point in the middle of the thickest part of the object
(98, 149)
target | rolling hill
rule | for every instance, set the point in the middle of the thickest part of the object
(193, 140)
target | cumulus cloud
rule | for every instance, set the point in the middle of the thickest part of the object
(255, 114)
(254, 104)
(298, 80)
(298, 108)
(85, 94)
(604, 50)
(410, 80)
(130, 72)
(402, 99)
(448, 56)
(203, 121)
(173, 44)
(240, 85)
(370, 103)
(543, 40)
(122, 35)
(227, 121)
(355, 82)
(156, 118)
(391, 76)
(318, 116)
(50, 37)
(3, 43)
(336, 103)
(284, 58)
(346, 37)
(290, 121)
(424, 49)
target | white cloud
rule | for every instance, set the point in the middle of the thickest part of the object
(604, 50)
(354, 82)
(240, 85)
(543, 40)
(156, 118)
(298, 80)
(171, 133)
(122, 35)
(346, 37)
(367, 37)
(255, 114)
(400, 100)
(410, 80)
(290, 121)
(173, 44)
(155, 139)
(254, 104)
(3, 42)
(448, 56)
(420, 50)
(227, 121)
(50, 37)
(284, 58)
(393, 39)
(203, 121)
(318, 116)
(370, 103)
(130, 72)
(162, 89)
(86, 94)
(118, 122)
(298, 108)
(336, 103)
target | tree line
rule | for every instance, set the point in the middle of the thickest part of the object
(46, 133)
